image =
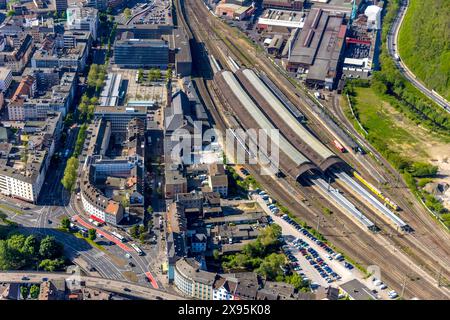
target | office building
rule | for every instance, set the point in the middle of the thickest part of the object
(82, 18)
(61, 5)
(139, 53)
(5, 79)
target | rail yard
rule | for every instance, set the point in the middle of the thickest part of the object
(407, 244)
(221, 150)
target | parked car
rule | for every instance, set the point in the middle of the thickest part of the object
(392, 294)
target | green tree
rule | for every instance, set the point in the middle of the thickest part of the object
(10, 259)
(216, 254)
(51, 265)
(68, 120)
(92, 234)
(134, 232)
(297, 281)
(85, 98)
(65, 223)
(34, 291)
(271, 266)
(142, 238)
(50, 248)
(149, 210)
(127, 13)
(168, 74)
(31, 247)
(14, 252)
(70, 173)
(422, 169)
(125, 201)
(140, 75)
(24, 292)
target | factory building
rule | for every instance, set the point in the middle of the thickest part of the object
(296, 5)
(233, 11)
(316, 52)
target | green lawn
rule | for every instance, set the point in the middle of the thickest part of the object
(10, 209)
(374, 114)
(91, 242)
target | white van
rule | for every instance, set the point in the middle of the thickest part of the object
(392, 294)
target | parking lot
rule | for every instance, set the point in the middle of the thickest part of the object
(313, 259)
(153, 12)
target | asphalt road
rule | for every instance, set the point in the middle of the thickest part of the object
(392, 45)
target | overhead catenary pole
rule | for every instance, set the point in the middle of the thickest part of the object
(403, 286)
(439, 277)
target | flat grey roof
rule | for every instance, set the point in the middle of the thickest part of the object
(319, 44)
(358, 291)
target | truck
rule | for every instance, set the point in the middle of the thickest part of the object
(339, 146)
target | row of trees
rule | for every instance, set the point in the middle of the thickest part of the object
(32, 292)
(152, 75)
(70, 174)
(18, 251)
(65, 225)
(87, 107)
(96, 76)
(80, 140)
(138, 232)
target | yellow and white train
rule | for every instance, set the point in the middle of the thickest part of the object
(380, 195)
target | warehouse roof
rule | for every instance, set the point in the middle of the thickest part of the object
(357, 291)
(319, 44)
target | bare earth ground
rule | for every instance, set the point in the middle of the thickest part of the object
(426, 147)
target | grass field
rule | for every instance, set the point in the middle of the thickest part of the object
(424, 43)
(91, 242)
(379, 118)
(10, 209)
(375, 116)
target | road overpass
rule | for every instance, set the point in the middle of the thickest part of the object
(121, 287)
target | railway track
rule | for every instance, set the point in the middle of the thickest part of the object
(357, 244)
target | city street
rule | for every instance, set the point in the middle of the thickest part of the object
(121, 287)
